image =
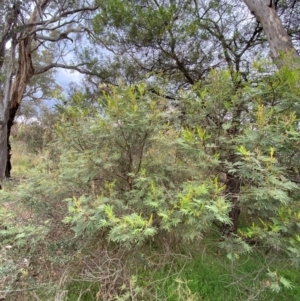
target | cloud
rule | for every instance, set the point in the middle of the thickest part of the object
(23, 119)
(64, 77)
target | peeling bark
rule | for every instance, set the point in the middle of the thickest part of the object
(26, 38)
(4, 110)
(17, 88)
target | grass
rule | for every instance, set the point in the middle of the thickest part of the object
(203, 276)
(83, 291)
(213, 278)
(22, 161)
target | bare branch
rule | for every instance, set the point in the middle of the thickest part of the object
(56, 18)
(63, 66)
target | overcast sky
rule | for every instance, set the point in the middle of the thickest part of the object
(64, 77)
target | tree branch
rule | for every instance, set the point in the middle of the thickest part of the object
(63, 66)
(42, 25)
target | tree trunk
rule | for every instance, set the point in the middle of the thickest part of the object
(278, 38)
(232, 190)
(3, 150)
(13, 95)
(15, 91)
(4, 110)
(25, 37)
(24, 73)
(12, 114)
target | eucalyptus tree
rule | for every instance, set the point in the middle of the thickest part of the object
(31, 28)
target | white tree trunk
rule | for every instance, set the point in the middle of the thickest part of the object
(279, 40)
(22, 72)
(25, 38)
(4, 110)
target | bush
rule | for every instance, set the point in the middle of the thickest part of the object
(137, 167)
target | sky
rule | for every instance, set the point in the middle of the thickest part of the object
(64, 77)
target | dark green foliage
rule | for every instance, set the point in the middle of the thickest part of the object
(181, 40)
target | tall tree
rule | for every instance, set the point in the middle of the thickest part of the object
(30, 27)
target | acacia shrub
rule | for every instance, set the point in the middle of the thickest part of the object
(139, 169)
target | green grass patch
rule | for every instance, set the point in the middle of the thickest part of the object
(83, 291)
(21, 160)
(211, 277)
(201, 277)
